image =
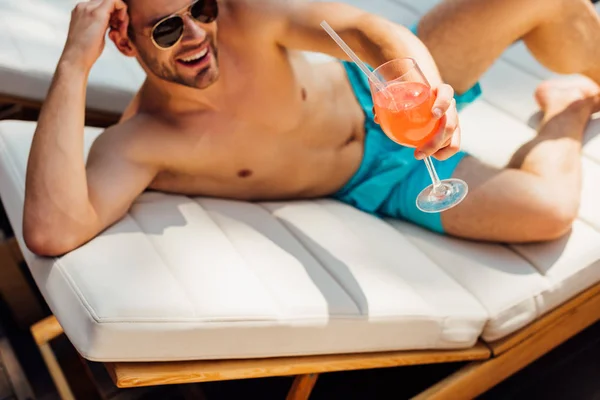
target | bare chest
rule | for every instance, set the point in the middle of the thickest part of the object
(283, 130)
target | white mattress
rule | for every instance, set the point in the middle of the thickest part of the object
(33, 34)
(194, 278)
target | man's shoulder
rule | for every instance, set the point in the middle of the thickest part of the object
(246, 15)
(137, 138)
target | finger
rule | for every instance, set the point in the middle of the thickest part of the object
(443, 101)
(111, 5)
(450, 150)
(120, 21)
(444, 132)
(89, 4)
(95, 4)
(124, 22)
(116, 10)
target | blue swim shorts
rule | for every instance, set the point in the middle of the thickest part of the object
(390, 178)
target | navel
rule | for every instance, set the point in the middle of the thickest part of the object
(303, 93)
(245, 173)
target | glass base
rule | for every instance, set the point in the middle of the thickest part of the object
(452, 192)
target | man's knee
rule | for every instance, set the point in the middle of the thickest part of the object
(554, 216)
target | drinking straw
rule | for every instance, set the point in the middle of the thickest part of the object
(380, 85)
(352, 55)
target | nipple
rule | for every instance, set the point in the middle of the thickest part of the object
(245, 173)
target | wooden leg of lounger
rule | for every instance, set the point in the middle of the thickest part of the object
(479, 376)
(31, 108)
(43, 332)
(302, 387)
(56, 373)
(18, 381)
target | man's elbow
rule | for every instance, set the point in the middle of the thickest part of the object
(49, 242)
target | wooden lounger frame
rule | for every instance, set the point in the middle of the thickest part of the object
(27, 109)
(490, 363)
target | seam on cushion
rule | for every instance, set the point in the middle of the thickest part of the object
(165, 263)
(445, 272)
(439, 317)
(278, 322)
(313, 255)
(82, 299)
(317, 203)
(536, 296)
(248, 267)
(350, 228)
(505, 307)
(533, 297)
(490, 316)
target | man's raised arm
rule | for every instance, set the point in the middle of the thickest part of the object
(65, 206)
(376, 40)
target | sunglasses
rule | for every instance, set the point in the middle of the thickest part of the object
(167, 32)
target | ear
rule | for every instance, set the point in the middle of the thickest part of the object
(123, 43)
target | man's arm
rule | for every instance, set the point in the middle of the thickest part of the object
(296, 24)
(374, 39)
(64, 206)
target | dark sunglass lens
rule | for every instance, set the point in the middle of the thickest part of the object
(205, 11)
(168, 32)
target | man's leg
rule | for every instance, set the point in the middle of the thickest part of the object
(537, 196)
(466, 36)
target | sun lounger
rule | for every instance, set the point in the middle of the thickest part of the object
(33, 34)
(188, 289)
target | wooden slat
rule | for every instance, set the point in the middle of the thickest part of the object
(8, 361)
(505, 344)
(20, 101)
(6, 390)
(161, 373)
(478, 377)
(62, 385)
(46, 330)
(302, 387)
(93, 117)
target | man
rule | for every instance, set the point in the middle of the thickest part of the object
(230, 108)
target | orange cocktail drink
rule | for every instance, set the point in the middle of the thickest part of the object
(404, 113)
(403, 103)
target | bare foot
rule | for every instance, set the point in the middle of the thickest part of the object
(558, 94)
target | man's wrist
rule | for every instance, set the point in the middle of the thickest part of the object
(72, 66)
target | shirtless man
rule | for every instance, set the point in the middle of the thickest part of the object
(230, 108)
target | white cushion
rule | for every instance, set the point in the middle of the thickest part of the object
(33, 35)
(196, 278)
(215, 279)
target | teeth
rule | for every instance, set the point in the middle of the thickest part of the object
(196, 57)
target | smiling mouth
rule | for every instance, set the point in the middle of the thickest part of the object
(195, 59)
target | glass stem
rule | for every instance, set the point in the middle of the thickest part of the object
(437, 184)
